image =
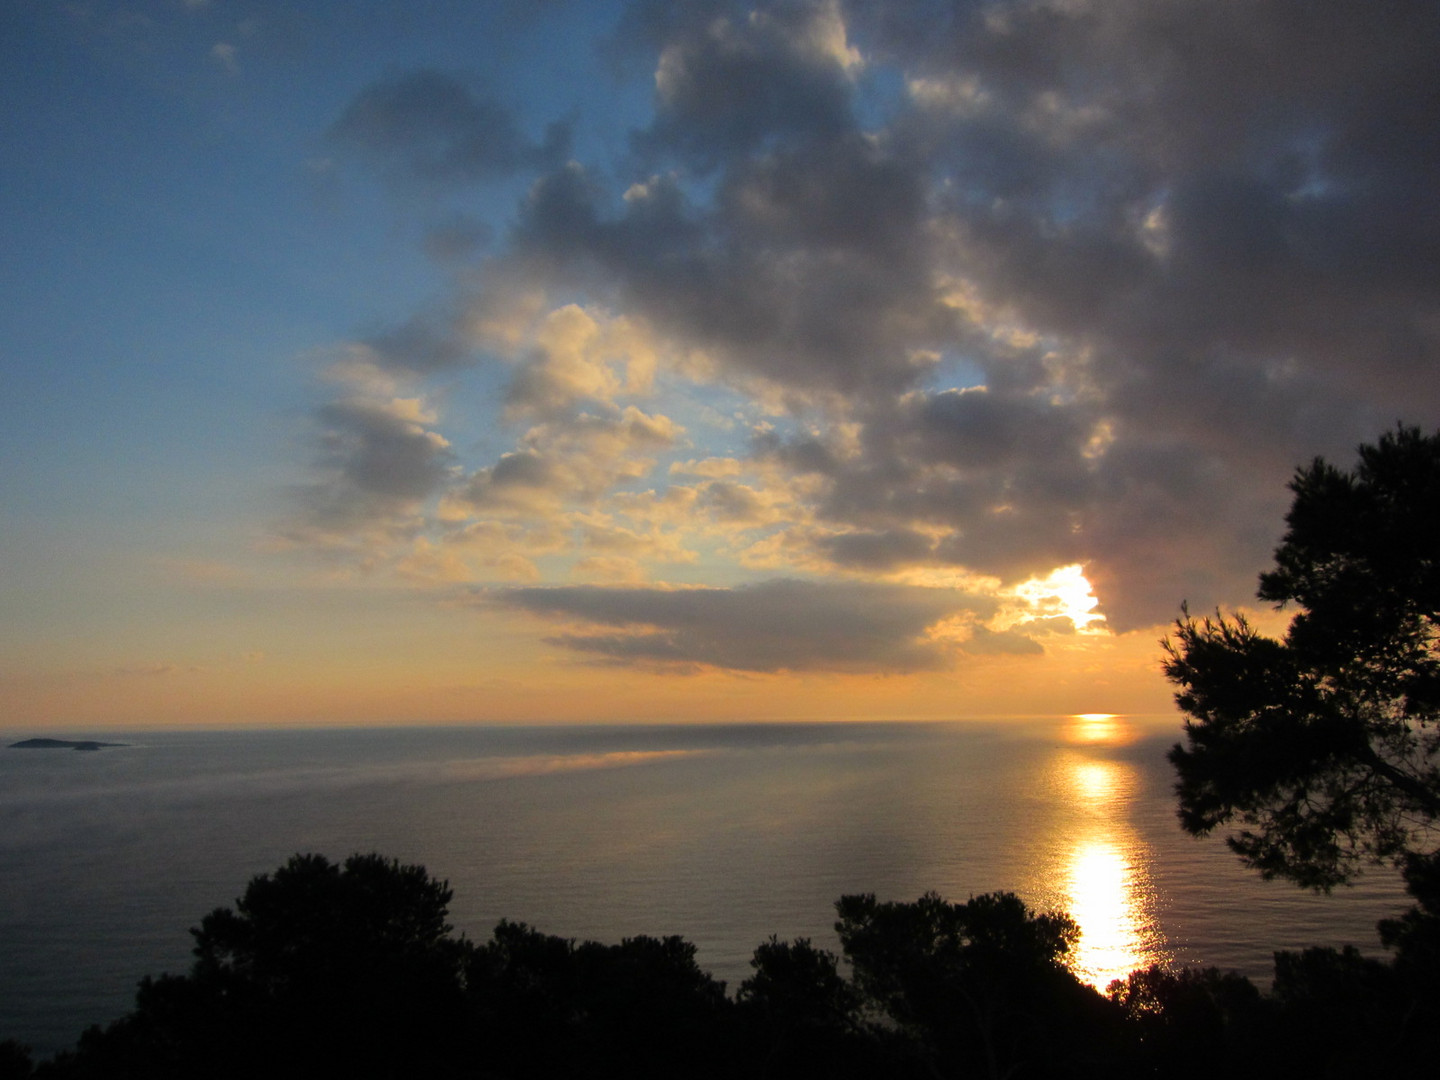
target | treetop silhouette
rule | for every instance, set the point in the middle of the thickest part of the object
(1324, 747)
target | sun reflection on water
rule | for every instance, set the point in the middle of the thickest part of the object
(1095, 783)
(1105, 882)
(1099, 728)
(1109, 901)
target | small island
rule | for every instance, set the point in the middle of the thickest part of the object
(61, 744)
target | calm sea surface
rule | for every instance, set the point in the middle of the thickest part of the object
(723, 834)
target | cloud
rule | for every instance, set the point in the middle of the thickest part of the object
(780, 625)
(379, 458)
(728, 83)
(876, 550)
(985, 642)
(577, 358)
(569, 461)
(424, 344)
(820, 305)
(384, 448)
(1013, 286)
(224, 55)
(611, 569)
(432, 127)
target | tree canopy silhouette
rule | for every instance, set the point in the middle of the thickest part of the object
(325, 969)
(319, 969)
(979, 988)
(1322, 747)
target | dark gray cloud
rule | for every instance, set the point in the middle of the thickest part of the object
(1282, 145)
(379, 461)
(873, 550)
(423, 344)
(993, 482)
(781, 625)
(432, 127)
(733, 82)
(791, 276)
(384, 451)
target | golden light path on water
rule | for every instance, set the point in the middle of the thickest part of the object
(1102, 872)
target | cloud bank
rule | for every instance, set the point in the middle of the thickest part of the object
(767, 627)
(877, 296)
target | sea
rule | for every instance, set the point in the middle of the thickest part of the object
(724, 834)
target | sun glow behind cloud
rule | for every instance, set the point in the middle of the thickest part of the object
(1063, 592)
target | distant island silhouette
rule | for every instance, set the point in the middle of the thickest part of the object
(61, 744)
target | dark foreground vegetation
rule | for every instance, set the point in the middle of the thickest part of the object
(1320, 753)
(325, 969)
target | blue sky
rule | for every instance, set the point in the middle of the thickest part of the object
(588, 360)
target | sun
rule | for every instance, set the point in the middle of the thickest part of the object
(1063, 592)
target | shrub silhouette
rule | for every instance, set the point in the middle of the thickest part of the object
(351, 969)
(980, 988)
(319, 968)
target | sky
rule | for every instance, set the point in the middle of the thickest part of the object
(566, 360)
